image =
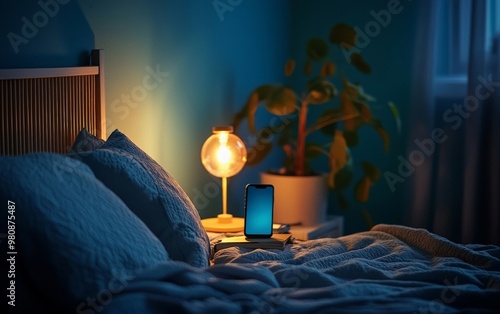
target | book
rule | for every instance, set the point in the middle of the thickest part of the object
(281, 228)
(333, 227)
(276, 241)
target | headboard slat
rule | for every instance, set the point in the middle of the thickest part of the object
(44, 109)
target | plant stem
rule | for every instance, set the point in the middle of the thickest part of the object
(301, 139)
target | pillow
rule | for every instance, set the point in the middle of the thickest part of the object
(73, 236)
(153, 195)
(85, 142)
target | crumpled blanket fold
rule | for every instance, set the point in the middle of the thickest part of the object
(389, 269)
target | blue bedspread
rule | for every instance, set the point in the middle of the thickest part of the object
(390, 269)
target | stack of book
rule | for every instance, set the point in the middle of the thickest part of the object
(276, 241)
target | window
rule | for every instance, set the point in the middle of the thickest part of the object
(453, 43)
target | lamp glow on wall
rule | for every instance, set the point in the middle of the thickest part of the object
(223, 155)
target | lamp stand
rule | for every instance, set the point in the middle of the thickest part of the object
(224, 222)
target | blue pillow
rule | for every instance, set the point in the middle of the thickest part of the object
(85, 141)
(153, 195)
(74, 237)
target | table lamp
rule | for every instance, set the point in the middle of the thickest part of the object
(223, 155)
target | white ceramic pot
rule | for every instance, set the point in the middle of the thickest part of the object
(298, 199)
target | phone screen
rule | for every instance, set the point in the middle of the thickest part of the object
(259, 200)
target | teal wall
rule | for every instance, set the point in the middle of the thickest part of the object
(55, 33)
(206, 63)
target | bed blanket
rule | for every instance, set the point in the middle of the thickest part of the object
(389, 269)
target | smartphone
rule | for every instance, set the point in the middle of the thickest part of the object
(259, 206)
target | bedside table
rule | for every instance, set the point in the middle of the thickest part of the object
(333, 227)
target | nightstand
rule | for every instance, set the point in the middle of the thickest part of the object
(333, 227)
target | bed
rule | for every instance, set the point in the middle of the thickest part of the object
(95, 225)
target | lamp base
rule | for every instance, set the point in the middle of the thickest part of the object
(223, 223)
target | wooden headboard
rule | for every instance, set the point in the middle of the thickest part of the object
(43, 109)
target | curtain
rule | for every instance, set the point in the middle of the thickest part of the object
(421, 113)
(455, 192)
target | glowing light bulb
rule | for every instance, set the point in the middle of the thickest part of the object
(224, 155)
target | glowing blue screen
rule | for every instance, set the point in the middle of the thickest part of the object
(259, 210)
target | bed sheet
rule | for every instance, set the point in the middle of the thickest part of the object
(390, 269)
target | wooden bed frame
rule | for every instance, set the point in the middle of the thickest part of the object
(43, 109)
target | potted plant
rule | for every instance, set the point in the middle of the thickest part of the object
(346, 110)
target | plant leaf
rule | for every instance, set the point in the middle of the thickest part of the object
(317, 49)
(350, 110)
(253, 103)
(289, 67)
(338, 156)
(351, 138)
(368, 219)
(355, 91)
(360, 64)
(385, 137)
(327, 122)
(377, 125)
(338, 151)
(248, 111)
(362, 189)
(281, 101)
(314, 150)
(395, 113)
(352, 125)
(365, 112)
(261, 146)
(331, 180)
(320, 91)
(372, 172)
(344, 177)
(343, 203)
(308, 68)
(343, 34)
(238, 117)
(327, 69)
